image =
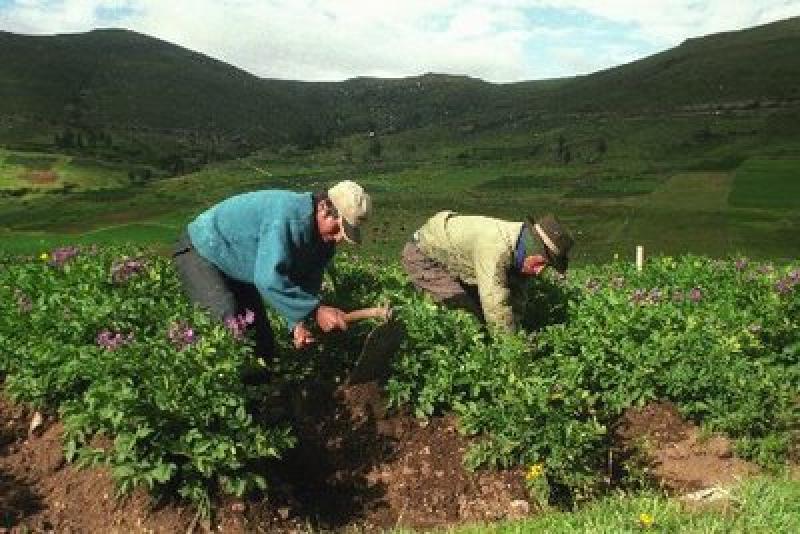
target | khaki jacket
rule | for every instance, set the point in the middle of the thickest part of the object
(479, 251)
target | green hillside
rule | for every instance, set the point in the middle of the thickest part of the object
(121, 80)
(115, 136)
(741, 69)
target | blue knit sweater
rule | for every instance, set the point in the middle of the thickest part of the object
(267, 238)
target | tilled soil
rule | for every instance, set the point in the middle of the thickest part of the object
(355, 470)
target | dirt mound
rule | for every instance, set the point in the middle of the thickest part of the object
(39, 491)
(679, 457)
(354, 466)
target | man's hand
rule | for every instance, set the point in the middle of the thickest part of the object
(329, 318)
(302, 336)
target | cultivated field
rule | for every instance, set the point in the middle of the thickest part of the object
(616, 368)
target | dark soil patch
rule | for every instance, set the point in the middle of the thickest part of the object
(354, 467)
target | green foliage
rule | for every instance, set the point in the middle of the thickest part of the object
(33, 161)
(106, 337)
(718, 338)
(152, 387)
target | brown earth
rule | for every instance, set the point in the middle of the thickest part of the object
(676, 454)
(42, 177)
(354, 469)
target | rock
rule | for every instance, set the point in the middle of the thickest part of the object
(518, 508)
(36, 423)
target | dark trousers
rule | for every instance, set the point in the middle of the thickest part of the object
(221, 295)
(436, 280)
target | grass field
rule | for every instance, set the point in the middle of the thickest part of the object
(665, 193)
(24, 173)
(767, 183)
(709, 185)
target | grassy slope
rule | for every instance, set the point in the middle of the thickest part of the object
(656, 185)
(753, 64)
(478, 146)
(121, 79)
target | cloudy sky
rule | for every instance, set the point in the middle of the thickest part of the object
(496, 40)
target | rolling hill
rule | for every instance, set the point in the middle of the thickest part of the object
(121, 80)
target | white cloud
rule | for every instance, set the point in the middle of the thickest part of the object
(670, 21)
(498, 40)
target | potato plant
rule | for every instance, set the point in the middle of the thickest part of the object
(106, 338)
(153, 388)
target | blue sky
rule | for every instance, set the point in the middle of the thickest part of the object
(496, 40)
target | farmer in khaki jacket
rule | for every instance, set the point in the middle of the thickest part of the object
(482, 264)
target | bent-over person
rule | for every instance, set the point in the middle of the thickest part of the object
(270, 246)
(482, 264)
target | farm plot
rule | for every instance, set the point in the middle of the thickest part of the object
(27, 172)
(156, 391)
(767, 184)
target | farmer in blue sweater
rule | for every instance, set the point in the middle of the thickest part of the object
(270, 246)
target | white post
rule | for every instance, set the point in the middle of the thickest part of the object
(639, 257)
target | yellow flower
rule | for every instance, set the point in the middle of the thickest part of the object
(646, 520)
(44, 256)
(534, 472)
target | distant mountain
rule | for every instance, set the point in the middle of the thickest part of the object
(122, 79)
(759, 65)
(118, 79)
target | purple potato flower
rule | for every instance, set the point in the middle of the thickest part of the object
(639, 296)
(61, 255)
(113, 340)
(783, 286)
(237, 324)
(181, 335)
(121, 271)
(696, 294)
(740, 264)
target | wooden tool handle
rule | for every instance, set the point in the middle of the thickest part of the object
(382, 312)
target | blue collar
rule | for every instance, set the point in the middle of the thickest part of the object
(519, 250)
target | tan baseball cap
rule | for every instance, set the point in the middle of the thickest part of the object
(354, 206)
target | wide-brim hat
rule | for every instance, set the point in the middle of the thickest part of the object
(353, 205)
(555, 238)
